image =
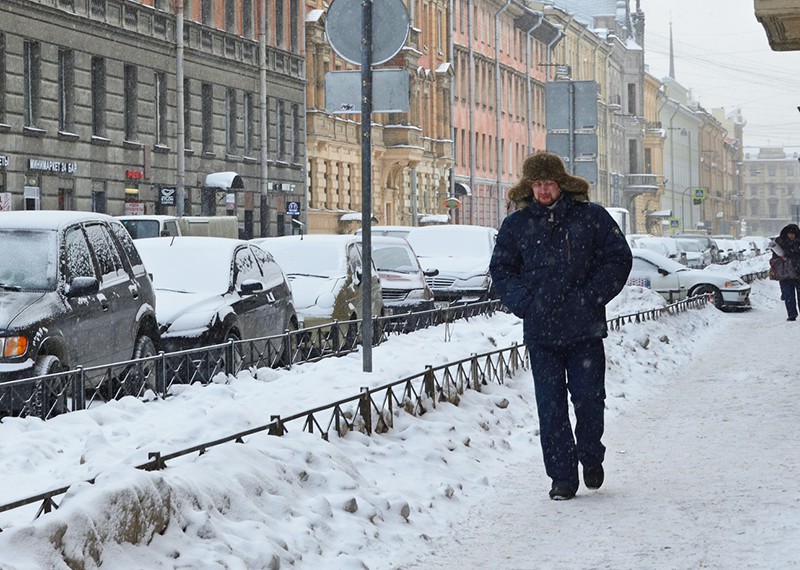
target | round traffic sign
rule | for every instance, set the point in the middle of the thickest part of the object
(389, 29)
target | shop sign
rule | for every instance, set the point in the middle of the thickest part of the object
(134, 175)
(166, 195)
(3, 161)
(52, 166)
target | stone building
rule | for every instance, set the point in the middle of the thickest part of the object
(93, 117)
(411, 151)
(771, 196)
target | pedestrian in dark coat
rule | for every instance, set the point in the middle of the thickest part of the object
(558, 260)
(786, 248)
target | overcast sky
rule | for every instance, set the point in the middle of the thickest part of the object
(722, 55)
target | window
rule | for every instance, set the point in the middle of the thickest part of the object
(131, 102)
(294, 14)
(160, 92)
(187, 113)
(98, 96)
(280, 34)
(207, 12)
(296, 133)
(230, 15)
(99, 196)
(98, 8)
(66, 89)
(248, 124)
(632, 98)
(32, 80)
(230, 119)
(207, 92)
(79, 259)
(280, 129)
(65, 201)
(247, 19)
(2, 78)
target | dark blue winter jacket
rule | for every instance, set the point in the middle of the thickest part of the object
(558, 267)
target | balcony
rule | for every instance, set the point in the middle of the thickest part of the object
(638, 184)
(781, 21)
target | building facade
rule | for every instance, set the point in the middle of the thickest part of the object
(771, 196)
(91, 108)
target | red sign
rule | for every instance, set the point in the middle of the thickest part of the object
(134, 174)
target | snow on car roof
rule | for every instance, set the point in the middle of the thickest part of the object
(47, 219)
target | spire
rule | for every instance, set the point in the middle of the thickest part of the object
(671, 54)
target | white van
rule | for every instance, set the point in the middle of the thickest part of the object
(150, 226)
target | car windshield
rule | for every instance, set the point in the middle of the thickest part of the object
(394, 258)
(307, 257)
(141, 228)
(449, 242)
(690, 245)
(29, 259)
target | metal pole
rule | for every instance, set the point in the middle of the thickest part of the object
(471, 113)
(366, 187)
(498, 102)
(180, 190)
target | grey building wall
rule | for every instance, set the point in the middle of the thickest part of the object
(76, 167)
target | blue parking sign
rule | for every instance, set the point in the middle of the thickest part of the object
(292, 208)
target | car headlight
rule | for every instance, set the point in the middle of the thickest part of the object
(325, 301)
(734, 283)
(416, 294)
(11, 346)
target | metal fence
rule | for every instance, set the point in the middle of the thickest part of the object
(373, 410)
(81, 388)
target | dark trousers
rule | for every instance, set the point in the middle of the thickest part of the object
(576, 369)
(790, 291)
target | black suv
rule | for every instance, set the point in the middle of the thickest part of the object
(73, 291)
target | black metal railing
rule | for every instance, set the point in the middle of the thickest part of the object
(81, 388)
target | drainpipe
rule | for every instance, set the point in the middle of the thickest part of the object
(470, 25)
(262, 64)
(498, 102)
(672, 160)
(529, 87)
(450, 57)
(610, 182)
(180, 191)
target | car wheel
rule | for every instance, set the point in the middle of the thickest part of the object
(238, 358)
(713, 292)
(146, 372)
(50, 398)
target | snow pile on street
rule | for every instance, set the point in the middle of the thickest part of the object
(297, 500)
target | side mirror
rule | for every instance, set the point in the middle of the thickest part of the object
(663, 271)
(82, 286)
(359, 275)
(431, 272)
(251, 286)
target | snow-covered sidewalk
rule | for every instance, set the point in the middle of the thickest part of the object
(702, 474)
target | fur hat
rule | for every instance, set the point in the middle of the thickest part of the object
(545, 165)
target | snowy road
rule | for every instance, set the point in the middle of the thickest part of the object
(703, 475)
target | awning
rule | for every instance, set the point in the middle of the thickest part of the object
(461, 189)
(224, 181)
(660, 214)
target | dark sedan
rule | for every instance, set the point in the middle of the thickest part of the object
(211, 290)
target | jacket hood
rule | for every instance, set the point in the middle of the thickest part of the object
(545, 165)
(790, 228)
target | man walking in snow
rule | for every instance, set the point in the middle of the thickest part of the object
(558, 260)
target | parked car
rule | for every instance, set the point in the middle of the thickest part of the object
(210, 290)
(666, 246)
(728, 248)
(676, 282)
(142, 227)
(403, 282)
(73, 291)
(461, 254)
(705, 240)
(389, 231)
(325, 274)
(697, 257)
